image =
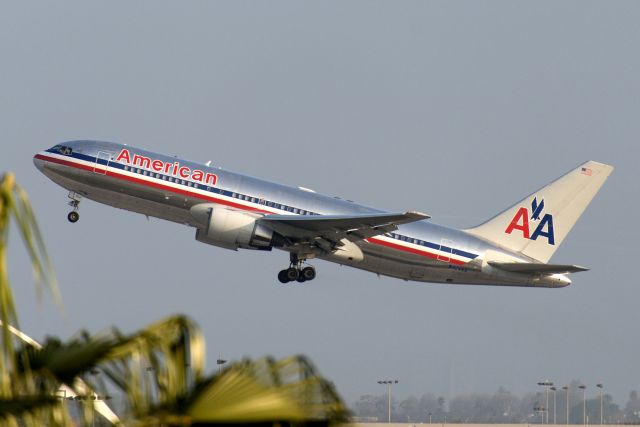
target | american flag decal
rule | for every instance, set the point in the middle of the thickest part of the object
(586, 171)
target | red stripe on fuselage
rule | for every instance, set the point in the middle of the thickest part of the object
(414, 251)
(135, 180)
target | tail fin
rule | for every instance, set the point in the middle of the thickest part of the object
(538, 224)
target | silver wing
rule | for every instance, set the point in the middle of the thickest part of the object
(334, 228)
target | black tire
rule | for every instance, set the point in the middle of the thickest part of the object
(301, 278)
(292, 274)
(282, 276)
(309, 273)
(73, 216)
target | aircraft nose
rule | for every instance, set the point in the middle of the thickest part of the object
(38, 162)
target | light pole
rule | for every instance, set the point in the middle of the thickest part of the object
(388, 384)
(220, 362)
(584, 403)
(553, 389)
(566, 389)
(539, 409)
(600, 386)
(546, 384)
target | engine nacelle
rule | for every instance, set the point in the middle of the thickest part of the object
(231, 229)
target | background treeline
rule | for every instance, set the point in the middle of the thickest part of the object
(501, 407)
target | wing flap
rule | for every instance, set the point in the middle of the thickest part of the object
(338, 227)
(536, 268)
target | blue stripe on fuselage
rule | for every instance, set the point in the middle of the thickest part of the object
(267, 203)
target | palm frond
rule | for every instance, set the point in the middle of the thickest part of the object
(14, 203)
(267, 391)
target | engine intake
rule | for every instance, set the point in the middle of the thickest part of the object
(232, 229)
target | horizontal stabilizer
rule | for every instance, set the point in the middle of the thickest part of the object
(536, 268)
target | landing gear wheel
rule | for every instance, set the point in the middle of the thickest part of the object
(301, 278)
(282, 276)
(308, 273)
(292, 274)
(73, 216)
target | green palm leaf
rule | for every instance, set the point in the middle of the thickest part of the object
(267, 391)
(14, 203)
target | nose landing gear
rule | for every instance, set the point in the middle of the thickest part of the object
(74, 216)
(296, 271)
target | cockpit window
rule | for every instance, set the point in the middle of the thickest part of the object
(67, 151)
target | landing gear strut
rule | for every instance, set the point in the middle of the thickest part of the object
(296, 271)
(74, 216)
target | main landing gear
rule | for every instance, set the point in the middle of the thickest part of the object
(296, 271)
(74, 216)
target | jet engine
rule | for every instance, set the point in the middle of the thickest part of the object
(232, 229)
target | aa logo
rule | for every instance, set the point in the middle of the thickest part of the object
(523, 221)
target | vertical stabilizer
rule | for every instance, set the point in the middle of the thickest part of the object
(538, 224)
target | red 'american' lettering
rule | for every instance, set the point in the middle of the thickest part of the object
(174, 168)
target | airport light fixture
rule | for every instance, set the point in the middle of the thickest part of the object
(566, 389)
(388, 384)
(600, 386)
(541, 410)
(220, 362)
(546, 384)
(584, 403)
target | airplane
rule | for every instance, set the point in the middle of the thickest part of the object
(235, 211)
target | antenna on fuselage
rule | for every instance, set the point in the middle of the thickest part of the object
(208, 163)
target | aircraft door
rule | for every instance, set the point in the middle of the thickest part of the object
(446, 246)
(103, 158)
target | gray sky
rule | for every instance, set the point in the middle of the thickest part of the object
(457, 109)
